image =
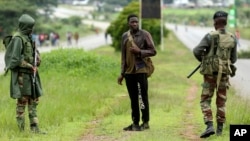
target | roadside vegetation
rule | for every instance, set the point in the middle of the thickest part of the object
(117, 27)
(203, 17)
(82, 100)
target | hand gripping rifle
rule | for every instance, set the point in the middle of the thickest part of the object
(34, 73)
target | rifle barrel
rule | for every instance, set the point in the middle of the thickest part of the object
(194, 71)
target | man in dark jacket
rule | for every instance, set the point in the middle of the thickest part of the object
(133, 69)
(25, 85)
(217, 52)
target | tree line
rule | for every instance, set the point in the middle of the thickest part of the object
(11, 10)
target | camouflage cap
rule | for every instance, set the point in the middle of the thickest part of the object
(220, 14)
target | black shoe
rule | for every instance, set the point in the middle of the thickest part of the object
(209, 130)
(132, 127)
(35, 129)
(144, 126)
(219, 129)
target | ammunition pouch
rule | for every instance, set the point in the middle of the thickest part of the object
(213, 64)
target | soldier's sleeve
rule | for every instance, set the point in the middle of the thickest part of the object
(202, 47)
(233, 57)
(13, 57)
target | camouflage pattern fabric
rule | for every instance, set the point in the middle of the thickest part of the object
(20, 111)
(209, 86)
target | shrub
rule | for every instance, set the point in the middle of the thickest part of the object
(119, 26)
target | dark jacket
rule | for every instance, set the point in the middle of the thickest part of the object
(144, 41)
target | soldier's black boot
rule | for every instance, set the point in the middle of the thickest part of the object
(209, 130)
(20, 123)
(35, 129)
(219, 128)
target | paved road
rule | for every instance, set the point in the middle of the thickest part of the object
(191, 38)
(86, 43)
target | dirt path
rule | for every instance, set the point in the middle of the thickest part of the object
(89, 134)
(189, 131)
(188, 117)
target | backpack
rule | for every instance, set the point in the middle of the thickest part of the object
(218, 58)
(6, 40)
(148, 61)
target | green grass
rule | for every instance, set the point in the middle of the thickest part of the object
(82, 98)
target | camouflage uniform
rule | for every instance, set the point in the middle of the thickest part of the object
(211, 82)
(19, 58)
(209, 86)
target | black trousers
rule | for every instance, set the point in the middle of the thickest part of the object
(132, 81)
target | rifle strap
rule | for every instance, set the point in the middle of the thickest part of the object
(215, 44)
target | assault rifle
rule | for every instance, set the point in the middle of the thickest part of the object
(194, 71)
(202, 56)
(34, 73)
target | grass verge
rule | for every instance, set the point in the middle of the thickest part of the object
(82, 100)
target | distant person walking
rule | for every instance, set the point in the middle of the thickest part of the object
(106, 37)
(176, 27)
(133, 69)
(76, 37)
(25, 84)
(69, 38)
(237, 35)
(217, 52)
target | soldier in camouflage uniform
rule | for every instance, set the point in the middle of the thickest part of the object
(19, 58)
(211, 81)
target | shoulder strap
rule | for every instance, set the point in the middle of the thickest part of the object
(130, 38)
(22, 38)
(214, 41)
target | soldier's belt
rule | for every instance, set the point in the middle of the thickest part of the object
(25, 70)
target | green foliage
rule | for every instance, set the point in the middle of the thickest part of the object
(10, 11)
(244, 54)
(78, 87)
(76, 62)
(73, 20)
(83, 107)
(116, 2)
(189, 16)
(120, 25)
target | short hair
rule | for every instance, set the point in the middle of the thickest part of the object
(130, 16)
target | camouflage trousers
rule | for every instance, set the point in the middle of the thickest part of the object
(209, 86)
(20, 111)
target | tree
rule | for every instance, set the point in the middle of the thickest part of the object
(119, 26)
(11, 10)
(46, 6)
(117, 2)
